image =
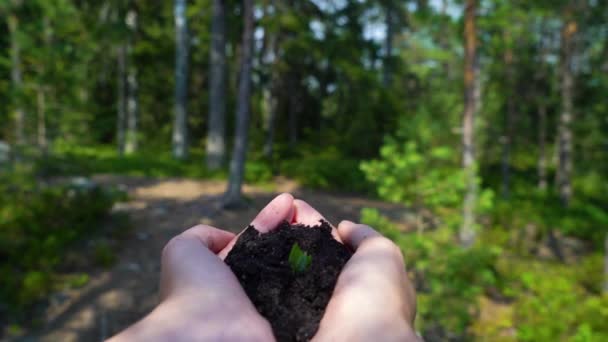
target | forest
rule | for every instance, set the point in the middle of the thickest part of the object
(473, 133)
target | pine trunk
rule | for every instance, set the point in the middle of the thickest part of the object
(132, 88)
(271, 92)
(233, 196)
(564, 167)
(121, 99)
(606, 264)
(507, 140)
(467, 232)
(17, 79)
(388, 45)
(216, 134)
(180, 127)
(293, 115)
(41, 124)
(542, 146)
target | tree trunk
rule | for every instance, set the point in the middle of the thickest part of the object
(542, 111)
(388, 44)
(41, 124)
(542, 143)
(17, 79)
(272, 105)
(293, 114)
(467, 232)
(132, 87)
(564, 167)
(180, 128)
(121, 103)
(216, 134)
(606, 264)
(233, 195)
(507, 139)
(271, 93)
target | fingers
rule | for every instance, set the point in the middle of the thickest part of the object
(212, 238)
(189, 261)
(373, 278)
(307, 215)
(278, 210)
(353, 234)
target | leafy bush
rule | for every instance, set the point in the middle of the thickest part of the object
(552, 305)
(451, 277)
(38, 224)
(422, 177)
(326, 172)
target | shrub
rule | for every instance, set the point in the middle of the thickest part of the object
(38, 224)
(422, 177)
(451, 278)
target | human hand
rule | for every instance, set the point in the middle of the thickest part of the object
(373, 298)
(200, 298)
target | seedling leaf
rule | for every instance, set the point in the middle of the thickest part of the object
(298, 259)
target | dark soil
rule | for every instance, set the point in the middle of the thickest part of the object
(292, 302)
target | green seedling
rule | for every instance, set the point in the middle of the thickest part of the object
(298, 259)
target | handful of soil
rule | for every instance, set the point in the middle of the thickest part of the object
(292, 300)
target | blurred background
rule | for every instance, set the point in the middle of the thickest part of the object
(474, 133)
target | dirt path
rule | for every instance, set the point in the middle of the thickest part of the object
(160, 209)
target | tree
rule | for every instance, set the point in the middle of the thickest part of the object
(41, 89)
(471, 69)
(216, 146)
(564, 143)
(121, 86)
(270, 56)
(509, 113)
(233, 196)
(132, 85)
(16, 76)
(542, 110)
(388, 42)
(180, 128)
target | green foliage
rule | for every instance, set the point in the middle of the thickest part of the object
(326, 171)
(547, 301)
(104, 255)
(453, 278)
(38, 225)
(406, 173)
(299, 260)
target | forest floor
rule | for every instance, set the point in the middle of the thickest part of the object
(159, 209)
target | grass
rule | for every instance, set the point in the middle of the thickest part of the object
(88, 160)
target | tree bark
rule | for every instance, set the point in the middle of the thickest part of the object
(388, 44)
(507, 139)
(542, 112)
(180, 128)
(216, 129)
(293, 113)
(564, 168)
(121, 100)
(233, 195)
(542, 146)
(467, 232)
(606, 264)
(271, 92)
(17, 78)
(132, 87)
(41, 124)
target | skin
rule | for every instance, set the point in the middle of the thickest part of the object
(202, 300)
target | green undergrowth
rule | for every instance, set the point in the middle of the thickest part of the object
(537, 300)
(41, 228)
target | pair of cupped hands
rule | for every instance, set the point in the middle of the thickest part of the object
(202, 300)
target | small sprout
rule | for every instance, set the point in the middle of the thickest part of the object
(298, 259)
